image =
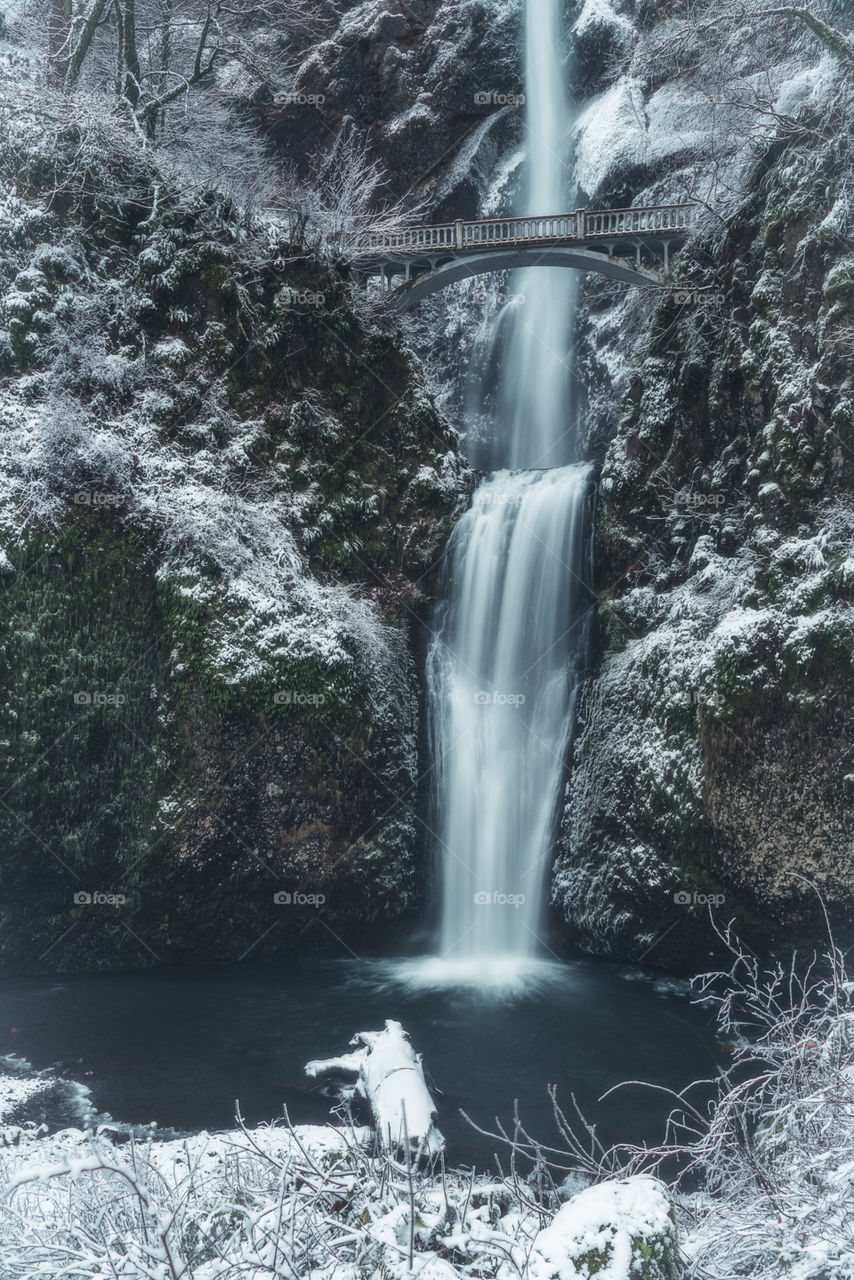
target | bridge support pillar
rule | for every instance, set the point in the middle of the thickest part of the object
(458, 233)
(666, 245)
(579, 223)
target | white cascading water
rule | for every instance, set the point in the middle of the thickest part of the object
(503, 666)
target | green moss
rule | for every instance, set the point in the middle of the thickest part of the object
(197, 613)
(652, 1259)
(80, 665)
(839, 283)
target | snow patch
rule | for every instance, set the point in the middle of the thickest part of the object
(614, 1222)
(598, 15)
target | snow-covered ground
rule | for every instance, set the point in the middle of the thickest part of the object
(304, 1202)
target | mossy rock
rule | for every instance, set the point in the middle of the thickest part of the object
(622, 1230)
(839, 284)
(79, 664)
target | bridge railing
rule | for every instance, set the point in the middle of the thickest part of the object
(676, 217)
(441, 236)
(584, 224)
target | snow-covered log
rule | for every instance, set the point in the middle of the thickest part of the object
(386, 1072)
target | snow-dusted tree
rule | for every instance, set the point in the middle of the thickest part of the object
(152, 53)
(775, 1154)
(700, 30)
(343, 199)
(748, 59)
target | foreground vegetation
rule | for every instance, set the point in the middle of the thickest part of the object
(755, 1183)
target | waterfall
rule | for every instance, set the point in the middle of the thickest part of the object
(504, 662)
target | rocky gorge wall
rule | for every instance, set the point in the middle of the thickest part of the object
(224, 494)
(714, 749)
(714, 740)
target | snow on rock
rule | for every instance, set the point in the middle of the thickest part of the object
(31, 1102)
(621, 131)
(621, 1230)
(438, 72)
(712, 739)
(16, 1091)
(808, 87)
(597, 15)
(610, 134)
(599, 35)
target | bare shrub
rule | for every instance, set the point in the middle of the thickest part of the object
(763, 1173)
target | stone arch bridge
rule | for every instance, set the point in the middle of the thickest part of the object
(632, 245)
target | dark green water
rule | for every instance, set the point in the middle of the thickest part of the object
(179, 1046)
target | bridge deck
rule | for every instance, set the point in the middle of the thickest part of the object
(607, 226)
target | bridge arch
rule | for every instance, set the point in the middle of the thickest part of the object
(467, 266)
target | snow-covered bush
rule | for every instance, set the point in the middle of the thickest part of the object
(623, 1227)
(761, 1174)
(306, 1202)
(775, 1161)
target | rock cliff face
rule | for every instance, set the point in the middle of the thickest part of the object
(714, 744)
(224, 495)
(714, 751)
(436, 87)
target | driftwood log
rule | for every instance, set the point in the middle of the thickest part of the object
(386, 1072)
